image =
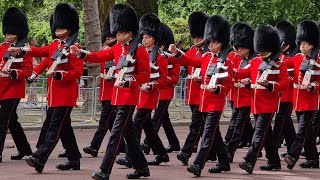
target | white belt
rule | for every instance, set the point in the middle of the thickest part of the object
(299, 86)
(4, 75)
(154, 75)
(170, 66)
(125, 75)
(205, 86)
(239, 85)
(105, 76)
(257, 86)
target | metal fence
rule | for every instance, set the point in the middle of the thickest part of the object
(32, 108)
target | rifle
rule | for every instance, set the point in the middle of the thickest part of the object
(12, 58)
(266, 67)
(215, 70)
(307, 66)
(125, 61)
(61, 53)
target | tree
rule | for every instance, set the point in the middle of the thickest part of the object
(104, 9)
(142, 7)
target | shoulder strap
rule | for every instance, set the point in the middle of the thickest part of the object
(154, 53)
(134, 45)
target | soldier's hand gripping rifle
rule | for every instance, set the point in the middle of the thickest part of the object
(111, 69)
(307, 66)
(153, 60)
(61, 53)
(12, 58)
(216, 70)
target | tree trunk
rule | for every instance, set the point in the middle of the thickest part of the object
(142, 6)
(93, 42)
(104, 9)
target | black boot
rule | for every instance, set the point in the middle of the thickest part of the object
(270, 167)
(248, 167)
(219, 168)
(63, 155)
(36, 163)
(310, 164)
(159, 159)
(303, 153)
(283, 154)
(195, 169)
(0, 158)
(183, 157)
(124, 161)
(145, 148)
(139, 173)
(171, 148)
(291, 161)
(90, 150)
(19, 156)
(195, 149)
(100, 176)
(75, 165)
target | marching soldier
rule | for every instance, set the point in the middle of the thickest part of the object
(268, 76)
(283, 126)
(133, 70)
(242, 41)
(215, 83)
(150, 31)
(108, 112)
(305, 95)
(161, 114)
(12, 80)
(63, 74)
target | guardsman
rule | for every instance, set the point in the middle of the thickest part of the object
(150, 32)
(108, 112)
(283, 126)
(63, 74)
(196, 23)
(268, 76)
(216, 73)
(132, 70)
(12, 80)
(305, 95)
(161, 114)
(242, 42)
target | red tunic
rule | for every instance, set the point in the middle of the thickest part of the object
(234, 58)
(149, 99)
(14, 88)
(210, 101)
(167, 92)
(106, 87)
(263, 101)
(303, 100)
(141, 74)
(59, 92)
(287, 96)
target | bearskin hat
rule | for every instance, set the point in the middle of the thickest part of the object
(123, 18)
(106, 30)
(196, 23)
(217, 28)
(241, 35)
(287, 32)
(308, 31)
(15, 22)
(53, 34)
(65, 16)
(150, 24)
(266, 39)
(167, 36)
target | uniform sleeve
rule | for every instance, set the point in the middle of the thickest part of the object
(142, 74)
(184, 60)
(290, 62)
(76, 69)
(42, 66)
(39, 51)
(101, 56)
(243, 73)
(174, 75)
(26, 70)
(163, 71)
(282, 83)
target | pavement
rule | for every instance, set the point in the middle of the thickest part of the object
(173, 170)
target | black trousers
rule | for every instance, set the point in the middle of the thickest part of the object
(211, 138)
(304, 137)
(263, 136)
(242, 118)
(123, 128)
(9, 119)
(142, 120)
(59, 127)
(232, 123)
(283, 125)
(161, 117)
(107, 117)
(195, 130)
